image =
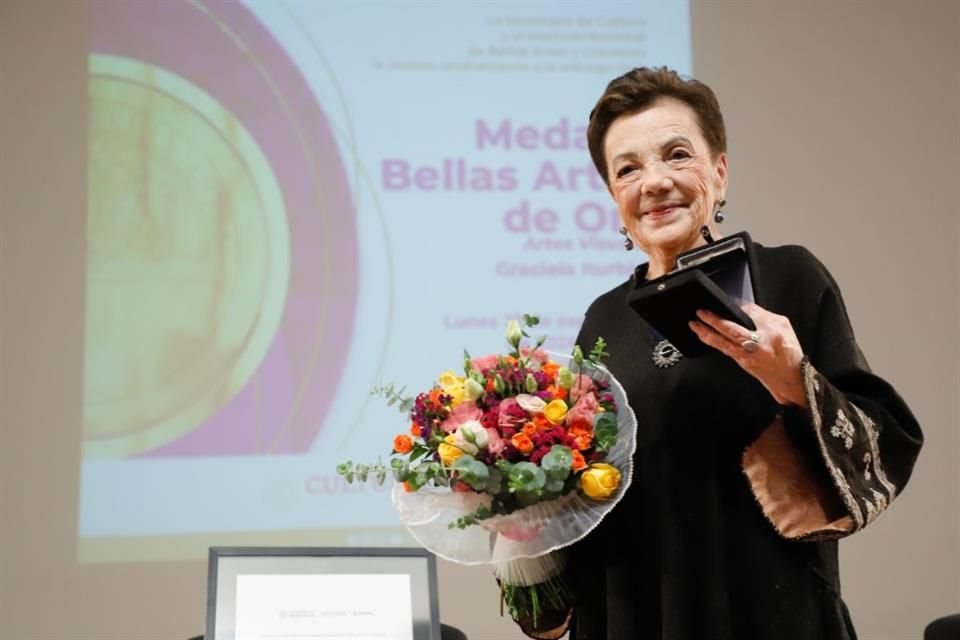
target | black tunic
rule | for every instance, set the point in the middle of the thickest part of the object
(689, 554)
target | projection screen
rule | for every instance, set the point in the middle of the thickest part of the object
(292, 203)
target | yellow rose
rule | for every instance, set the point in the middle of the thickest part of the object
(448, 378)
(452, 385)
(556, 411)
(448, 451)
(457, 394)
(600, 481)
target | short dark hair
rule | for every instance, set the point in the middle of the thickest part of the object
(637, 90)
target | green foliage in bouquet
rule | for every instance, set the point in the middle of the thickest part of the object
(517, 427)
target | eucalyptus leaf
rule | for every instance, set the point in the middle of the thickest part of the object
(554, 486)
(526, 477)
(472, 472)
(605, 431)
(559, 458)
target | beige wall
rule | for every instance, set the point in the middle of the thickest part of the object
(844, 121)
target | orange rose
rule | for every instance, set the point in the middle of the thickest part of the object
(557, 393)
(414, 429)
(583, 442)
(578, 461)
(529, 428)
(541, 422)
(522, 442)
(580, 428)
(550, 368)
(403, 443)
(407, 486)
(435, 395)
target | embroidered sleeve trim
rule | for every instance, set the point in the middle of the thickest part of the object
(873, 457)
(843, 429)
(850, 448)
(812, 389)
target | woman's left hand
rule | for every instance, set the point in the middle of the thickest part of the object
(775, 361)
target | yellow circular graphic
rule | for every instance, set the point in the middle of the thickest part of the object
(188, 258)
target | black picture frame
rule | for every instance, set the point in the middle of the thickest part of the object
(225, 564)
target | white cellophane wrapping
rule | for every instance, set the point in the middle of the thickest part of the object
(518, 544)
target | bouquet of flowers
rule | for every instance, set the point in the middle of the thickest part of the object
(511, 462)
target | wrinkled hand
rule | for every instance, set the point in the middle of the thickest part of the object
(775, 362)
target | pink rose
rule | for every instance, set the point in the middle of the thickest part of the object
(464, 412)
(581, 385)
(584, 410)
(539, 355)
(484, 362)
(512, 415)
(495, 444)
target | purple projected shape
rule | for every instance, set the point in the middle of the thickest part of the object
(263, 88)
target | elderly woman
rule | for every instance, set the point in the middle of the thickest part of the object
(752, 460)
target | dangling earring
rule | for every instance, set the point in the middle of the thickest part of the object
(627, 240)
(718, 216)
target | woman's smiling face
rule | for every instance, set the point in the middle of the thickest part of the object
(664, 178)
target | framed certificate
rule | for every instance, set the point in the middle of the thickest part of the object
(308, 593)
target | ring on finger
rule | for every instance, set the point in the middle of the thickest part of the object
(752, 343)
